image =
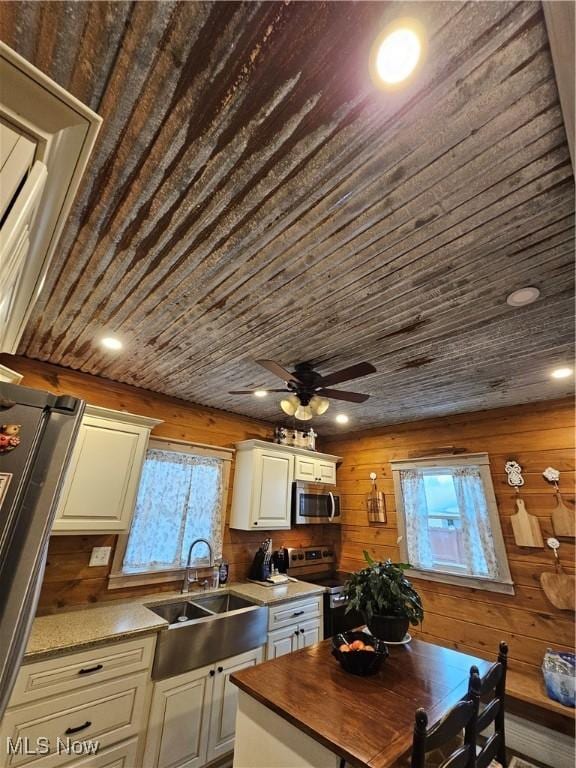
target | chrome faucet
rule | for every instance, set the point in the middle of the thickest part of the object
(187, 579)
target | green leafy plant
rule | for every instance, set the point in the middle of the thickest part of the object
(382, 589)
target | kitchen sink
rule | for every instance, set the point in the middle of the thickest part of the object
(206, 629)
(176, 613)
(222, 603)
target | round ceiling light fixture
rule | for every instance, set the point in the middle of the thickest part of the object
(260, 392)
(523, 296)
(397, 52)
(342, 419)
(562, 373)
(111, 343)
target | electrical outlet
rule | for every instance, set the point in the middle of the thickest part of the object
(100, 556)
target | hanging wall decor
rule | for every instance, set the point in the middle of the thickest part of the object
(563, 518)
(375, 503)
(559, 587)
(526, 528)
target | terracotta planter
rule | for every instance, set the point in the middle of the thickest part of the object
(388, 628)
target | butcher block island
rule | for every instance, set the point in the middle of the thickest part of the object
(304, 710)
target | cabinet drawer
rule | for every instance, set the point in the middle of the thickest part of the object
(106, 713)
(294, 612)
(121, 756)
(80, 670)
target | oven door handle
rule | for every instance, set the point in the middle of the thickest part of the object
(332, 506)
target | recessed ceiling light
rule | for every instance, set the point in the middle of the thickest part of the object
(260, 393)
(111, 343)
(342, 418)
(397, 52)
(562, 373)
(523, 296)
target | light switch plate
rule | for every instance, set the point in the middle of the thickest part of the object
(100, 556)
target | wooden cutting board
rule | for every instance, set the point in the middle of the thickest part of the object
(559, 588)
(563, 519)
(526, 527)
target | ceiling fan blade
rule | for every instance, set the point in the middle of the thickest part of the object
(251, 391)
(346, 374)
(277, 370)
(336, 394)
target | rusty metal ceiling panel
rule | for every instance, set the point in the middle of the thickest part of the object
(254, 195)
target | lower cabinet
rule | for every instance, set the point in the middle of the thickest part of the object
(193, 716)
(293, 638)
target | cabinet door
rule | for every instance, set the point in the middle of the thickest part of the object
(179, 722)
(273, 490)
(225, 702)
(309, 633)
(305, 468)
(102, 480)
(326, 472)
(281, 642)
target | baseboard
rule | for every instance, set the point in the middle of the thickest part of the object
(533, 740)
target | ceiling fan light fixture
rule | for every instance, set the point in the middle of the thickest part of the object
(319, 405)
(303, 413)
(290, 405)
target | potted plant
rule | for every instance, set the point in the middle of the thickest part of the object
(385, 597)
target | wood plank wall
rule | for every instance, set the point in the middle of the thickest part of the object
(69, 580)
(537, 436)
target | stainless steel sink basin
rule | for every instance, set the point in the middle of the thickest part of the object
(216, 626)
(222, 603)
(176, 613)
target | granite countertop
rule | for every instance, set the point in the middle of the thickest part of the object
(73, 630)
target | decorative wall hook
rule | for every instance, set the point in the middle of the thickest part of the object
(514, 472)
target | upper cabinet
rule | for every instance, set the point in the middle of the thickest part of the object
(46, 138)
(315, 470)
(262, 497)
(101, 484)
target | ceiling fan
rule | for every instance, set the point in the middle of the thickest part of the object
(309, 390)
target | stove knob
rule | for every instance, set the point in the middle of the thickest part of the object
(294, 557)
(300, 557)
(325, 553)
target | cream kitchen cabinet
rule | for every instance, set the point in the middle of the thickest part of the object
(193, 716)
(102, 480)
(294, 625)
(97, 695)
(314, 470)
(263, 482)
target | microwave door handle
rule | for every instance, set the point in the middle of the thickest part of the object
(332, 506)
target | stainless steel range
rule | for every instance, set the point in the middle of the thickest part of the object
(317, 565)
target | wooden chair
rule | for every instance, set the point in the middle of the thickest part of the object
(444, 735)
(491, 710)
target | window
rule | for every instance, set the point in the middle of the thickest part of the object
(448, 521)
(181, 497)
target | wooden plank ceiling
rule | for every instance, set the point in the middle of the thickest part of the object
(253, 195)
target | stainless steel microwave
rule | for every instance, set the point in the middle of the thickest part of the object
(315, 503)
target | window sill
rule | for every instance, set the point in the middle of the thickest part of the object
(473, 582)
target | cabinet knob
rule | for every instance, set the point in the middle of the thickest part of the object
(220, 669)
(301, 631)
(255, 523)
(296, 632)
(212, 673)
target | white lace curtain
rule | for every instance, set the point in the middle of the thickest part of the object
(179, 500)
(474, 515)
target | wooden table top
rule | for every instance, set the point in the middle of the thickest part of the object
(366, 720)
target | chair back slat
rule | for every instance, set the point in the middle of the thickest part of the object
(452, 724)
(462, 758)
(488, 715)
(488, 752)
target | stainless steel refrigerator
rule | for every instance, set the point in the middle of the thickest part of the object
(37, 434)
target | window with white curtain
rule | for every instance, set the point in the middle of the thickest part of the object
(448, 521)
(180, 498)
